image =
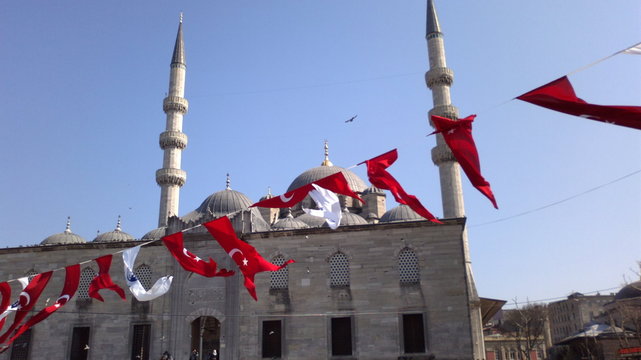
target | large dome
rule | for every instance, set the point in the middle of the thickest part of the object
(66, 237)
(320, 172)
(114, 236)
(629, 291)
(400, 213)
(224, 202)
(155, 234)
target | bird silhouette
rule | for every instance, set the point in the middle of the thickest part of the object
(351, 119)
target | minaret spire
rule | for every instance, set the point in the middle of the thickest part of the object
(326, 162)
(171, 178)
(439, 79)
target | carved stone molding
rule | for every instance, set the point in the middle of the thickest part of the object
(173, 139)
(439, 76)
(442, 154)
(447, 111)
(175, 103)
(171, 177)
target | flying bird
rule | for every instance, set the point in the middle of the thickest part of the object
(351, 119)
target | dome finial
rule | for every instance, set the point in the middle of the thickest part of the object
(68, 229)
(118, 228)
(228, 183)
(181, 17)
(326, 162)
(269, 191)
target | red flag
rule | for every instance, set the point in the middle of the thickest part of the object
(458, 136)
(381, 178)
(5, 291)
(28, 298)
(335, 183)
(190, 262)
(559, 96)
(103, 280)
(246, 257)
(72, 280)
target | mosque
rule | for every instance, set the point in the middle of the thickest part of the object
(387, 284)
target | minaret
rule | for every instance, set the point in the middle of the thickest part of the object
(439, 79)
(171, 178)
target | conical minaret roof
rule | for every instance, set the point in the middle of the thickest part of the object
(179, 49)
(432, 19)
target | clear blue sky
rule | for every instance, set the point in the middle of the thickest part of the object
(82, 85)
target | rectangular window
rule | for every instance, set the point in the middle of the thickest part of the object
(413, 333)
(140, 342)
(80, 343)
(341, 336)
(272, 337)
(20, 347)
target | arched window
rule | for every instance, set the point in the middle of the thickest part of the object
(86, 276)
(338, 270)
(408, 267)
(31, 274)
(143, 273)
(279, 279)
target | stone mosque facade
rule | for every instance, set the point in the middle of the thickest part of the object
(387, 284)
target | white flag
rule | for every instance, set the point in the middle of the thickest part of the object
(330, 207)
(24, 281)
(160, 287)
(635, 50)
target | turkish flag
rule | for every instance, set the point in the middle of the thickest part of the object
(559, 96)
(458, 136)
(249, 261)
(103, 280)
(190, 262)
(381, 178)
(28, 298)
(72, 280)
(5, 291)
(335, 183)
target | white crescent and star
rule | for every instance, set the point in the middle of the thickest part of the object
(236, 250)
(186, 253)
(27, 296)
(60, 301)
(283, 198)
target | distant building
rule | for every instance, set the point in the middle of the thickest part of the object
(570, 316)
(503, 344)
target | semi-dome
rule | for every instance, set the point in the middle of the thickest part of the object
(629, 291)
(154, 234)
(289, 223)
(114, 236)
(311, 220)
(224, 202)
(400, 213)
(65, 237)
(348, 218)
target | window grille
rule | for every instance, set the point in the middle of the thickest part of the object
(85, 279)
(408, 267)
(140, 342)
(143, 273)
(20, 347)
(31, 274)
(339, 270)
(279, 279)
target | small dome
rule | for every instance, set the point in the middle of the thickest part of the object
(373, 190)
(66, 237)
(114, 236)
(289, 223)
(311, 220)
(348, 218)
(154, 234)
(320, 172)
(629, 291)
(400, 213)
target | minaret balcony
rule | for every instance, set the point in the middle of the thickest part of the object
(173, 140)
(439, 76)
(442, 154)
(446, 111)
(175, 103)
(175, 177)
